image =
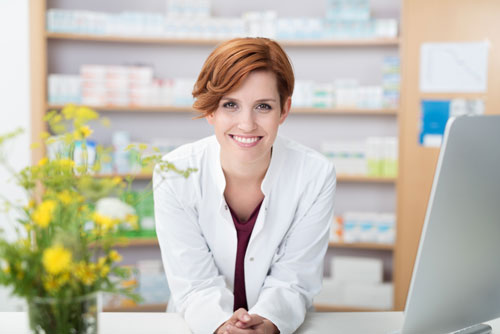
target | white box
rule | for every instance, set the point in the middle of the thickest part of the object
(357, 269)
(362, 295)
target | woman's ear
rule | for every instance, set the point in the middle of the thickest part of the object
(210, 118)
(286, 110)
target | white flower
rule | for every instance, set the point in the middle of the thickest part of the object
(114, 208)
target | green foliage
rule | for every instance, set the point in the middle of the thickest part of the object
(66, 233)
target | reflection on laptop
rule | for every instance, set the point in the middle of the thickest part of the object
(456, 279)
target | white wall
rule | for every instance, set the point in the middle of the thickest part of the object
(14, 103)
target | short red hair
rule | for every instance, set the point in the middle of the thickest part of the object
(230, 63)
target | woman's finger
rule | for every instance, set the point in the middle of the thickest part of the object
(254, 321)
(230, 329)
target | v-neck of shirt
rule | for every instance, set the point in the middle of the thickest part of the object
(245, 225)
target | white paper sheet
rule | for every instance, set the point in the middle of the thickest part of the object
(454, 67)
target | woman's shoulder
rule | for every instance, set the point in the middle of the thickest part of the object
(302, 155)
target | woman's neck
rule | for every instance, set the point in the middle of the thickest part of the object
(236, 171)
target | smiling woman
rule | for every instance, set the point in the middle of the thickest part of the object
(243, 240)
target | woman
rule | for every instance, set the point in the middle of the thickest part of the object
(243, 238)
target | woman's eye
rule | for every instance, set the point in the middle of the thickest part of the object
(229, 105)
(264, 107)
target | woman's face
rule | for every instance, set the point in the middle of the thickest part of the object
(247, 119)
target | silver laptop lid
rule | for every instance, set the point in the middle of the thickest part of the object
(456, 277)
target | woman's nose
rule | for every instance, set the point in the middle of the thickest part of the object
(246, 121)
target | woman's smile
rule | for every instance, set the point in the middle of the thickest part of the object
(246, 141)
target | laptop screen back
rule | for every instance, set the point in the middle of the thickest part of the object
(456, 278)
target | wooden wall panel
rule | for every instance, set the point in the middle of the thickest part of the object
(38, 73)
(432, 21)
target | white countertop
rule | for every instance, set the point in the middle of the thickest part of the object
(171, 323)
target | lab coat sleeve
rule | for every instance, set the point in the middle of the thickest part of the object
(296, 276)
(198, 290)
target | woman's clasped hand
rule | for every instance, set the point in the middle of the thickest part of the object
(241, 322)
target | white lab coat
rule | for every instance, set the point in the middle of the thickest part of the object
(284, 258)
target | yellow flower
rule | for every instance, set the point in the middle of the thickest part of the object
(66, 163)
(57, 119)
(35, 145)
(116, 180)
(115, 256)
(105, 271)
(101, 262)
(85, 131)
(51, 284)
(133, 221)
(65, 197)
(143, 147)
(63, 279)
(43, 213)
(56, 259)
(85, 273)
(105, 222)
(44, 135)
(86, 114)
(69, 111)
(5, 267)
(43, 161)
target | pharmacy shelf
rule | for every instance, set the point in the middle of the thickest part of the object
(138, 308)
(138, 176)
(336, 308)
(298, 110)
(142, 242)
(362, 245)
(163, 307)
(137, 242)
(365, 179)
(340, 178)
(201, 41)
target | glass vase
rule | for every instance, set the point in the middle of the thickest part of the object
(64, 316)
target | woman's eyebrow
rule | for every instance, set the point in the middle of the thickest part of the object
(259, 100)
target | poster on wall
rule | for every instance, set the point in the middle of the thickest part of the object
(435, 114)
(454, 67)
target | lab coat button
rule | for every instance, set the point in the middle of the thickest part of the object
(251, 259)
(225, 206)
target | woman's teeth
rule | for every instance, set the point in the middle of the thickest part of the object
(246, 140)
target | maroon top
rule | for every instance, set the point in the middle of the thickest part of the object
(244, 231)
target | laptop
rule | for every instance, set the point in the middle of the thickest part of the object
(456, 278)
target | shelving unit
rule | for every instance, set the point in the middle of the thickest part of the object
(339, 308)
(340, 178)
(187, 109)
(200, 41)
(145, 242)
(45, 44)
(138, 308)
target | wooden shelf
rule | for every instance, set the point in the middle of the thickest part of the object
(161, 109)
(365, 179)
(138, 176)
(338, 308)
(345, 111)
(169, 109)
(340, 178)
(147, 242)
(362, 245)
(211, 42)
(137, 242)
(138, 308)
